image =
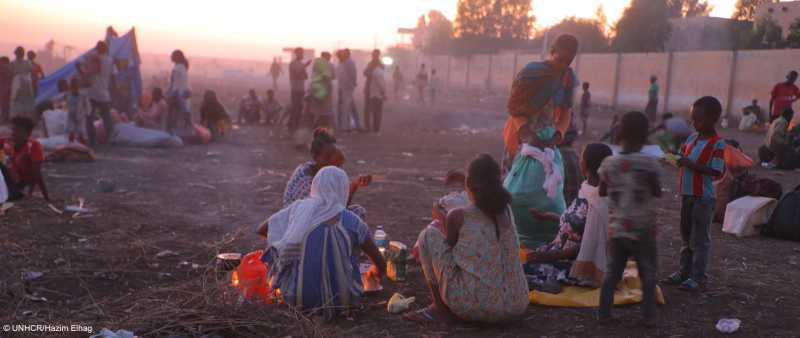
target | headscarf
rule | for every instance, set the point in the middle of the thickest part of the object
(328, 198)
(534, 87)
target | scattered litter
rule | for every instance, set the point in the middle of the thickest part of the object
(82, 240)
(31, 275)
(27, 313)
(35, 298)
(195, 266)
(728, 325)
(164, 275)
(399, 304)
(212, 153)
(407, 154)
(59, 261)
(76, 210)
(203, 185)
(106, 333)
(362, 162)
(53, 207)
(166, 253)
(4, 207)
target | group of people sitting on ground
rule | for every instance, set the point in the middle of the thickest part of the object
(781, 147)
(252, 110)
(509, 223)
(21, 160)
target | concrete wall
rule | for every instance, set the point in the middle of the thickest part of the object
(749, 75)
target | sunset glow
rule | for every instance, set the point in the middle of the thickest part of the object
(251, 29)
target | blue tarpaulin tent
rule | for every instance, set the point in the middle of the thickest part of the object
(125, 53)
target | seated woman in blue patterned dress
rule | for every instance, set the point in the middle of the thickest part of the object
(577, 254)
(323, 153)
(314, 245)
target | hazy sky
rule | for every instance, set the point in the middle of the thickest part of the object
(251, 29)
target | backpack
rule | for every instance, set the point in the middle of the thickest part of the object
(785, 220)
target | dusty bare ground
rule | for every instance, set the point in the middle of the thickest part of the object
(102, 269)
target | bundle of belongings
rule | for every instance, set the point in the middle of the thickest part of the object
(57, 141)
(628, 292)
(785, 220)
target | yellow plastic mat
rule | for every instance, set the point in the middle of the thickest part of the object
(628, 292)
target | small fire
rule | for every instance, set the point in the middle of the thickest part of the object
(234, 279)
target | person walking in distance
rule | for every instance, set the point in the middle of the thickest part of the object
(297, 81)
(374, 62)
(377, 94)
(275, 70)
(434, 86)
(652, 99)
(421, 82)
(348, 80)
(397, 82)
(586, 106)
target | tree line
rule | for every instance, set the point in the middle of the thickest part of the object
(487, 26)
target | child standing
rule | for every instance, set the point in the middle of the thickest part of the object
(631, 181)
(78, 107)
(586, 105)
(702, 161)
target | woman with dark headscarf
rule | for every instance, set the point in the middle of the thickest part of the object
(539, 109)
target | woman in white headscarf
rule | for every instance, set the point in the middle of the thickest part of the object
(314, 245)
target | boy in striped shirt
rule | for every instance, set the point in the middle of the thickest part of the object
(701, 163)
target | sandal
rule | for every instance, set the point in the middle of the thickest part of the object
(689, 285)
(674, 279)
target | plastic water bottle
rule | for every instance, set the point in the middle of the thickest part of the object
(381, 239)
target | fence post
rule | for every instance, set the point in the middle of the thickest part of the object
(447, 85)
(466, 77)
(668, 81)
(489, 74)
(616, 81)
(731, 83)
(514, 70)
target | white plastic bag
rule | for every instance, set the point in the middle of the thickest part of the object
(56, 122)
(743, 215)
